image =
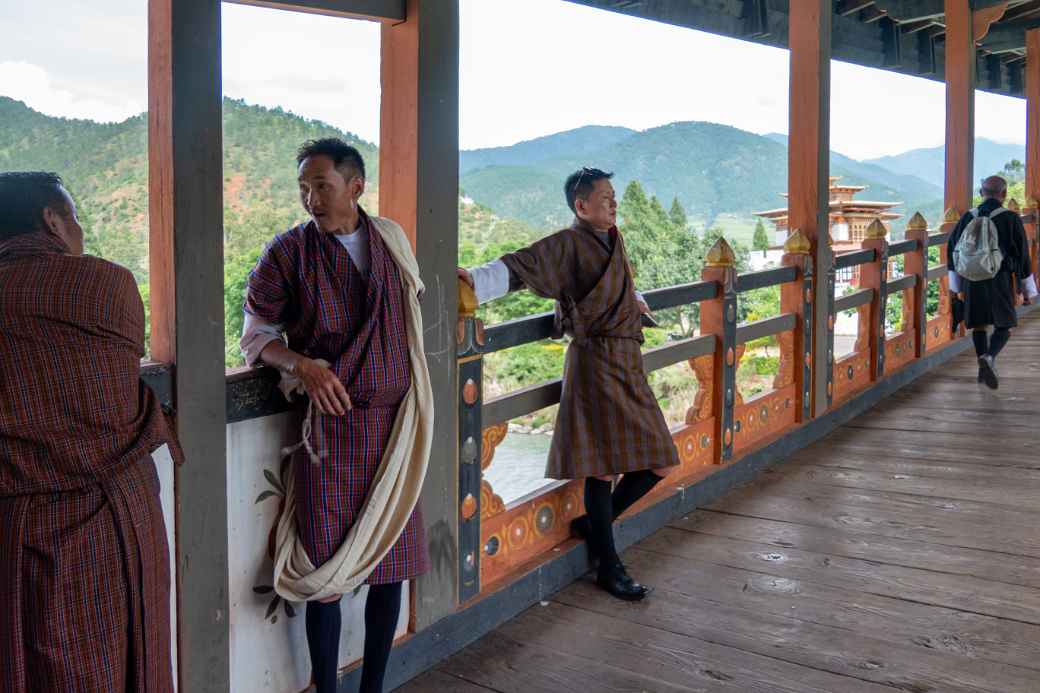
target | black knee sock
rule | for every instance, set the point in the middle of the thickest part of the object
(598, 506)
(981, 341)
(382, 609)
(998, 340)
(324, 622)
(631, 488)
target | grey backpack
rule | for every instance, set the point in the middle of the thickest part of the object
(977, 256)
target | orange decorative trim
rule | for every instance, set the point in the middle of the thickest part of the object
(490, 503)
(704, 368)
(528, 530)
(851, 374)
(764, 417)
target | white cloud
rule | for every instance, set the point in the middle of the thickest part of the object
(34, 85)
(528, 68)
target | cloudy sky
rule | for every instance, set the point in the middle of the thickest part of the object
(528, 68)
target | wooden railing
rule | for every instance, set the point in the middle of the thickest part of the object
(498, 541)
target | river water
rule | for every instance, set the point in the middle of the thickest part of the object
(518, 467)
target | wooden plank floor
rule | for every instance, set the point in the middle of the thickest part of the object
(901, 553)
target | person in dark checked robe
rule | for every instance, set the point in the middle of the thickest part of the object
(991, 302)
(609, 422)
(333, 304)
(84, 561)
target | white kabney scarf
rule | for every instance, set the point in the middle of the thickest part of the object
(397, 483)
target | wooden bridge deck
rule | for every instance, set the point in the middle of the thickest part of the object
(901, 553)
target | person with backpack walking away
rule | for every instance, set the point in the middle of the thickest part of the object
(986, 249)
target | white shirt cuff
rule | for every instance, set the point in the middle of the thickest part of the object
(954, 280)
(639, 297)
(257, 334)
(1029, 286)
(490, 281)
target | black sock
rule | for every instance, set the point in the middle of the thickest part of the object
(981, 341)
(598, 506)
(324, 622)
(382, 609)
(631, 488)
(998, 340)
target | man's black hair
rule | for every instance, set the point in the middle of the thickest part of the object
(23, 197)
(580, 184)
(343, 156)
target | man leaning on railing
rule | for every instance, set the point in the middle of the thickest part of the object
(609, 422)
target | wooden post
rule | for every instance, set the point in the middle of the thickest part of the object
(1033, 143)
(186, 261)
(719, 318)
(960, 105)
(470, 384)
(874, 275)
(796, 297)
(916, 262)
(419, 188)
(808, 169)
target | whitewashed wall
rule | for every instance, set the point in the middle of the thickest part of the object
(270, 653)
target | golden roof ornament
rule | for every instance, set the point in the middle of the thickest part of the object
(876, 230)
(797, 243)
(721, 255)
(1013, 206)
(917, 223)
(467, 300)
(952, 216)
(1031, 203)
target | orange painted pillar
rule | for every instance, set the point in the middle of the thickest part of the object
(419, 189)
(808, 171)
(960, 105)
(1032, 201)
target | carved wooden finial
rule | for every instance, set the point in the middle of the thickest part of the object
(721, 255)
(797, 243)
(917, 223)
(1013, 206)
(952, 216)
(876, 230)
(467, 300)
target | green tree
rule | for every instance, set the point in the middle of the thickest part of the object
(677, 215)
(761, 238)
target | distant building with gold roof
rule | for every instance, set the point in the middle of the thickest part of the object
(849, 220)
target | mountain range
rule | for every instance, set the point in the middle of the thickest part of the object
(720, 174)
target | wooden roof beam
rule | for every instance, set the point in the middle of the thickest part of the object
(847, 7)
(912, 10)
(1027, 10)
(1008, 37)
(372, 10)
(908, 28)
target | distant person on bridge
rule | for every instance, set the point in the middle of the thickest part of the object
(334, 305)
(84, 561)
(988, 292)
(609, 422)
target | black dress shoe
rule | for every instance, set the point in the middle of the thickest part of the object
(617, 581)
(988, 372)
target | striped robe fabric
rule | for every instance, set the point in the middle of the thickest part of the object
(84, 568)
(306, 281)
(608, 421)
